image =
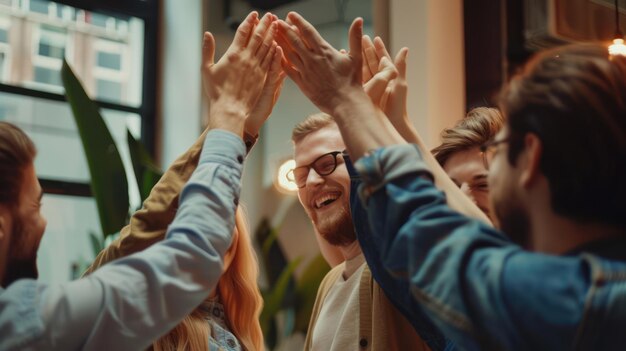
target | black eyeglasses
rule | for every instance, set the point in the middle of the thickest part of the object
(489, 150)
(323, 165)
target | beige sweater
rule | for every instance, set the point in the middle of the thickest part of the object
(381, 326)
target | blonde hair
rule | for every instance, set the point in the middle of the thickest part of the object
(479, 126)
(311, 124)
(238, 292)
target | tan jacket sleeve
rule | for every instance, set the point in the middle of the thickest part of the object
(149, 224)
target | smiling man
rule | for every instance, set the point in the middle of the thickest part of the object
(351, 311)
(461, 156)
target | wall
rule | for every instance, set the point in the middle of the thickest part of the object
(433, 32)
(180, 93)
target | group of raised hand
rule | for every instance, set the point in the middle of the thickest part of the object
(244, 85)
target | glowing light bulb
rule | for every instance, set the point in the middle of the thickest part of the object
(282, 182)
(617, 48)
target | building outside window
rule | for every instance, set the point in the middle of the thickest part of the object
(111, 46)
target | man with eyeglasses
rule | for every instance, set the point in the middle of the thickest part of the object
(351, 311)
(556, 176)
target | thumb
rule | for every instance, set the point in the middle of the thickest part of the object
(208, 49)
(400, 62)
(355, 37)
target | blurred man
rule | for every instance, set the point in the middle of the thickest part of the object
(556, 176)
(461, 156)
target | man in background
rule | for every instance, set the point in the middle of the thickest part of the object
(461, 156)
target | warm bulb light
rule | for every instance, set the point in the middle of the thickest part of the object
(284, 184)
(618, 47)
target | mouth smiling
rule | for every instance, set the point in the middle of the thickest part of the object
(326, 199)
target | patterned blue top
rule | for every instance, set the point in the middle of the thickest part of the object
(221, 339)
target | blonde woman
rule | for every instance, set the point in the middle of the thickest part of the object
(229, 318)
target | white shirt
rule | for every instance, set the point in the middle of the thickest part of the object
(337, 326)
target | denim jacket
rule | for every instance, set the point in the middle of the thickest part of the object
(397, 291)
(480, 290)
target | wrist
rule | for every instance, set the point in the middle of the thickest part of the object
(347, 102)
(251, 127)
(227, 115)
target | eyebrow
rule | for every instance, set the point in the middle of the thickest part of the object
(40, 195)
(480, 177)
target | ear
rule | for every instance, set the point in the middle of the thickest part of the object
(533, 149)
(5, 223)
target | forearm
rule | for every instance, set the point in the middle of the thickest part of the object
(363, 129)
(361, 125)
(455, 197)
(149, 224)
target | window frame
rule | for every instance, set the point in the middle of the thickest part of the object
(148, 12)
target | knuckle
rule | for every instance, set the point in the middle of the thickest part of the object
(257, 36)
(234, 57)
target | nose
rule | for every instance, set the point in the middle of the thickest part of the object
(313, 178)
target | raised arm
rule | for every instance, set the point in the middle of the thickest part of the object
(130, 302)
(148, 225)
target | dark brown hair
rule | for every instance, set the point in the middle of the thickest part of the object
(574, 99)
(17, 151)
(479, 126)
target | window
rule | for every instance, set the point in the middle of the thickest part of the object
(111, 70)
(108, 44)
(4, 35)
(49, 48)
(40, 6)
(5, 48)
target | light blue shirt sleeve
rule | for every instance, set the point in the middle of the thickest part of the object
(131, 302)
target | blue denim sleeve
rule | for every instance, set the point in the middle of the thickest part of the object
(468, 279)
(129, 303)
(396, 290)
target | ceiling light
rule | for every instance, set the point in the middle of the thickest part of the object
(282, 183)
(618, 47)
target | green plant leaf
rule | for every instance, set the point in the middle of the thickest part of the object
(150, 178)
(108, 177)
(274, 300)
(147, 173)
(272, 256)
(97, 244)
(306, 291)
